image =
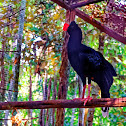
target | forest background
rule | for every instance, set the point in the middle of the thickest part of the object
(30, 60)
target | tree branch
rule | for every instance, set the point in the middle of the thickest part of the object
(103, 102)
(84, 3)
(8, 51)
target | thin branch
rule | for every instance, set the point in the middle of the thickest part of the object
(103, 102)
(7, 24)
(6, 89)
(22, 119)
(84, 3)
(12, 14)
(8, 51)
(95, 23)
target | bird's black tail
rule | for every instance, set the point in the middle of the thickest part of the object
(108, 80)
(104, 79)
(105, 111)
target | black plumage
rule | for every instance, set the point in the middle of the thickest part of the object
(89, 63)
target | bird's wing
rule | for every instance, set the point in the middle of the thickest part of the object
(93, 57)
(98, 68)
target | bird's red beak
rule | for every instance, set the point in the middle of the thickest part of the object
(65, 27)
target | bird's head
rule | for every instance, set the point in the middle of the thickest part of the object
(72, 27)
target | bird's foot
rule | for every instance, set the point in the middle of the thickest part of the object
(84, 99)
(87, 99)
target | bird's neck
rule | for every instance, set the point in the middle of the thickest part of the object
(73, 44)
(75, 41)
(75, 38)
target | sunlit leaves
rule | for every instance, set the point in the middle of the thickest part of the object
(45, 20)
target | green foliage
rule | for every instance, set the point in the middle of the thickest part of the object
(45, 19)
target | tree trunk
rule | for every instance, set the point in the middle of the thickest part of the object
(16, 67)
(48, 98)
(42, 113)
(2, 84)
(30, 96)
(75, 94)
(54, 98)
(81, 110)
(64, 72)
(19, 43)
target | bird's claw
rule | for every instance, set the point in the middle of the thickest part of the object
(84, 99)
(87, 99)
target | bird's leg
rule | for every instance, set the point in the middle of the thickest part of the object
(89, 90)
(88, 97)
(84, 88)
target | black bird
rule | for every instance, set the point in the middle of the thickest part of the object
(89, 63)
